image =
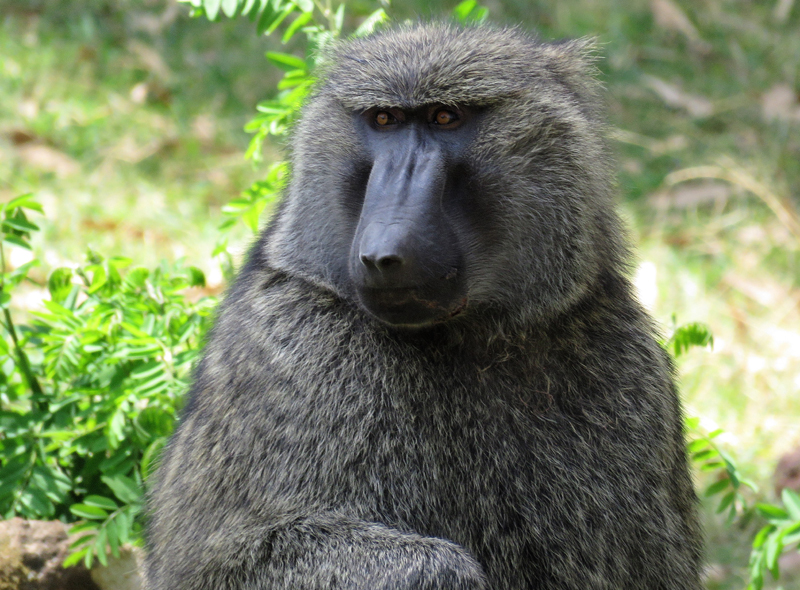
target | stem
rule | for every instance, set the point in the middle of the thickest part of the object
(20, 489)
(22, 357)
(329, 14)
(327, 11)
(24, 365)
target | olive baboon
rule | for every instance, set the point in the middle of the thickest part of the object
(431, 372)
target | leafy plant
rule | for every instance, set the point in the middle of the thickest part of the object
(90, 387)
(782, 531)
(320, 23)
(781, 534)
(702, 448)
(687, 336)
(728, 480)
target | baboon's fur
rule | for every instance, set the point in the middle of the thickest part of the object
(534, 441)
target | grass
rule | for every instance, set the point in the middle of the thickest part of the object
(126, 120)
(128, 129)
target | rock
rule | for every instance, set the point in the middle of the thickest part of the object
(789, 564)
(31, 554)
(121, 573)
(787, 476)
(787, 472)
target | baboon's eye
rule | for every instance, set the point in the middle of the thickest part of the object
(445, 117)
(384, 118)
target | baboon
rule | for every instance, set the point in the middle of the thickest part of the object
(432, 372)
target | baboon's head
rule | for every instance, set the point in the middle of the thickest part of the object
(438, 171)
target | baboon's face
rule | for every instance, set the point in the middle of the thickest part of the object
(441, 172)
(406, 263)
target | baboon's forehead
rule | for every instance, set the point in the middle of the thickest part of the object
(436, 64)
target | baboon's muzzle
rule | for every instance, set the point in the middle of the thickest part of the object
(405, 260)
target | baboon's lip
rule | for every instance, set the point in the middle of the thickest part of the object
(405, 296)
(462, 305)
(399, 296)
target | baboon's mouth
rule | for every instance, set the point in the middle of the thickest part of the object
(410, 307)
(397, 297)
(462, 305)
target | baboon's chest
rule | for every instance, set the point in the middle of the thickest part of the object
(449, 464)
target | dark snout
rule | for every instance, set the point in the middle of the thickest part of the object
(399, 219)
(405, 259)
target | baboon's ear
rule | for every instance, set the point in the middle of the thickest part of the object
(582, 53)
(574, 61)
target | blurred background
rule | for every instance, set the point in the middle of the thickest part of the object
(126, 119)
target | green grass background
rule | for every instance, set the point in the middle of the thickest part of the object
(125, 119)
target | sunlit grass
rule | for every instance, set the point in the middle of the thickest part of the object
(132, 142)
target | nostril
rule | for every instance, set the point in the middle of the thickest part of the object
(381, 264)
(368, 261)
(389, 262)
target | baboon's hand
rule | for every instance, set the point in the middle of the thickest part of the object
(370, 556)
(447, 567)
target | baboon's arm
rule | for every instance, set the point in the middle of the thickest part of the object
(320, 552)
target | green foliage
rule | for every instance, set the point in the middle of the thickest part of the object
(469, 11)
(781, 534)
(248, 209)
(782, 531)
(90, 388)
(728, 481)
(686, 336)
(702, 447)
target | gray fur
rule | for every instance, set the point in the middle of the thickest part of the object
(532, 442)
